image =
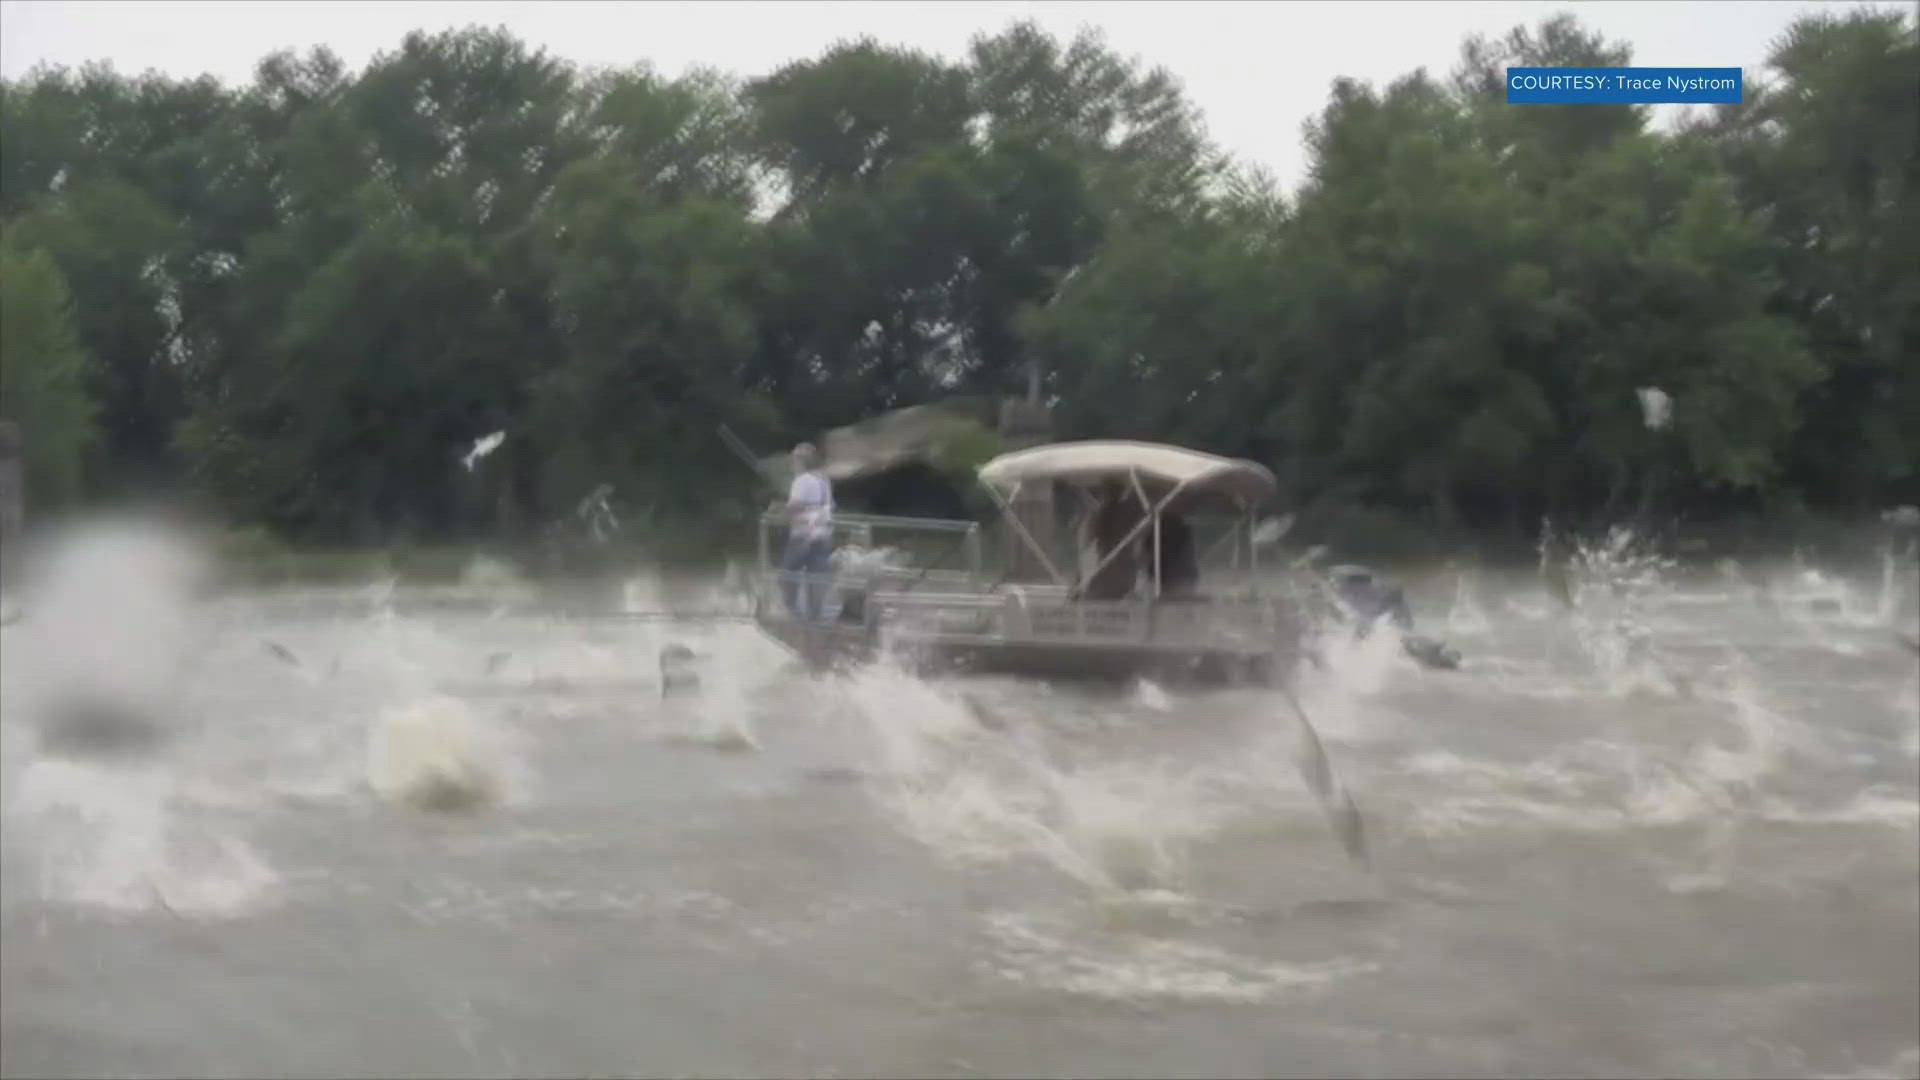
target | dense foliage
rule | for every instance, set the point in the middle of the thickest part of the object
(308, 296)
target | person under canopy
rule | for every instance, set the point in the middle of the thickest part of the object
(1117, 568)
(1179, 564)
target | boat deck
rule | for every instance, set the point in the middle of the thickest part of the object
(894, 593)
(1034, 631)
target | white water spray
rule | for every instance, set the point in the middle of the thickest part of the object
(100, 663)
(97, 713)
(431, 753)
(977, 795)
(1616, 585)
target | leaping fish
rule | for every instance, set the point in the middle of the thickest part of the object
(1310, 757)
(483, 446)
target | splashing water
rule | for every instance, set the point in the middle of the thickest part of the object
(652, 592)
(1737, 768)
(1722, 785)
(1148, 694)
(1141, 848)
(1350, 670)
(642, 594)
(93, 803)
(1615, 585)
(113, 838)
(425, 749)
(495, 579)
(975, 795)
(1893, 590)
(716, 713)
(110, 637)
(432, 753)
(1466, 616)
(1119, 827)
(1818, 602)
(1117, 821)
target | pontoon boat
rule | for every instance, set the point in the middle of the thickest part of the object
(1233, 624)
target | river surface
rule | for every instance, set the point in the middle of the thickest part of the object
(1669, 833)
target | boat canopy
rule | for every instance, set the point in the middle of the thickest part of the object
(1166, 473)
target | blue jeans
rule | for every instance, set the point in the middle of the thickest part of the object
(806, 564)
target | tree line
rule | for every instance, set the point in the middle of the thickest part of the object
(306, 297)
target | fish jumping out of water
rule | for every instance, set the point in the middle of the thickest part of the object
(1555, 574)
(1270, 531)
(1368, 597)
(1310, 757)
(677, 676)
(428, 755)
(483, 446)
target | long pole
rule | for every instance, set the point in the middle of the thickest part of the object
(1157, 584)
(741, 451)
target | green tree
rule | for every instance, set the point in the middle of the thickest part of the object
(915, 232)
(112, 243)
(655, 271)
(403, 250)
(121, 181)
(43, 372)
(1130, 126)
(1825, 153)
(316, 290)
(1490, 285)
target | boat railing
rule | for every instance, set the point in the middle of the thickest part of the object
(915, 542)
(845, 522)
(1016, 615)
(875, 553)
(1218, 619)
(924, 576)
(975, 614)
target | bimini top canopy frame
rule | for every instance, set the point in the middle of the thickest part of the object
(1160, 470)
(1161, 477)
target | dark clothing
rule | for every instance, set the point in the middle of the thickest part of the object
(1179, 564)
(1115, 518)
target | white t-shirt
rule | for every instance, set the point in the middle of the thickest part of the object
(811, 502)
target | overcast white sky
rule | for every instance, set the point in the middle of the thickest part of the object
(1257, 70)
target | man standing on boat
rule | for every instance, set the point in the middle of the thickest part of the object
(809, 536)
(1115, 544)
(1179, 565)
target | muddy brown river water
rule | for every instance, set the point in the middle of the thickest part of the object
(1672, 833)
